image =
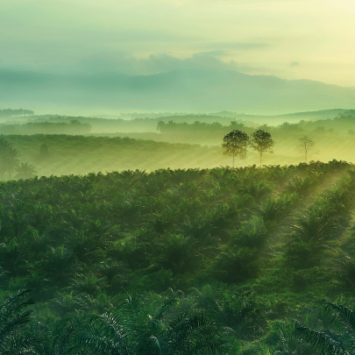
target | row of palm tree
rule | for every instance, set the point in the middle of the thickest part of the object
(84, 244)
(178, 325)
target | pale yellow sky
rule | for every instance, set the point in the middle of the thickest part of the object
(294, 39)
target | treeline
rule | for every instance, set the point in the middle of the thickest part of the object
(211, 132)
(71, 127)
(219, 261)
(197, 131)
(15, 112)
(102, 125)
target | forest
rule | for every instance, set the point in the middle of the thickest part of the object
(213, 261)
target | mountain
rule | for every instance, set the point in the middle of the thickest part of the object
(177, 90)
(296, 116)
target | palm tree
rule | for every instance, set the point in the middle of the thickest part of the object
(340, 340)
(14, 315)
(323, 342)
(102, 334)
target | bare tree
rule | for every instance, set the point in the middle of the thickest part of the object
(307, 144)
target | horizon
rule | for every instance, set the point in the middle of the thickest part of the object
(259, 57)
(256, 37)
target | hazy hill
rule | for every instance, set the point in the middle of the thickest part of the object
(183, 89)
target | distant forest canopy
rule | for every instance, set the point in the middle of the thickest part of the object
(15, 112)
(71, 127)
(154, 122)
(185, 116)
(199, 130)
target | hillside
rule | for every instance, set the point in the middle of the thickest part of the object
(192, 89)
(20, 121)
(65, 155)
(175, 146)
(187, 261)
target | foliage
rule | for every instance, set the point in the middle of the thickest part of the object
(14, 315)
(262, 142)
(235, 143)
(179, 261)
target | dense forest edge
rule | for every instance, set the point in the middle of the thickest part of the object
(213, 261)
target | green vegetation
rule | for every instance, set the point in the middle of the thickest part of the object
(235, 143)
(81, 145)
(116, 253)
(221, 261)
(262, 142)
(177, 145)
(73, 127)
(67, 154)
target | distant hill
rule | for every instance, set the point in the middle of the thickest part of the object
(144, 123)
(14, 113)
(178, 90)
(297, 116)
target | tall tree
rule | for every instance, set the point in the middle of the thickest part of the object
(262, 142)
(307, 144)
(235, 143)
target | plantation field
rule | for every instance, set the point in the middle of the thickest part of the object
(81, 145)
(67, 155)
(70, 154)
(220, 261)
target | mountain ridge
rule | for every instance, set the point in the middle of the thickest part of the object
(181, 89)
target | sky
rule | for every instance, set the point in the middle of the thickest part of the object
(291, 39)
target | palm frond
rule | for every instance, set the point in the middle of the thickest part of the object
(323, 342)
(346, 314)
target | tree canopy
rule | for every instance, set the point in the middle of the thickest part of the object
(262, 142)
(235, 143)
